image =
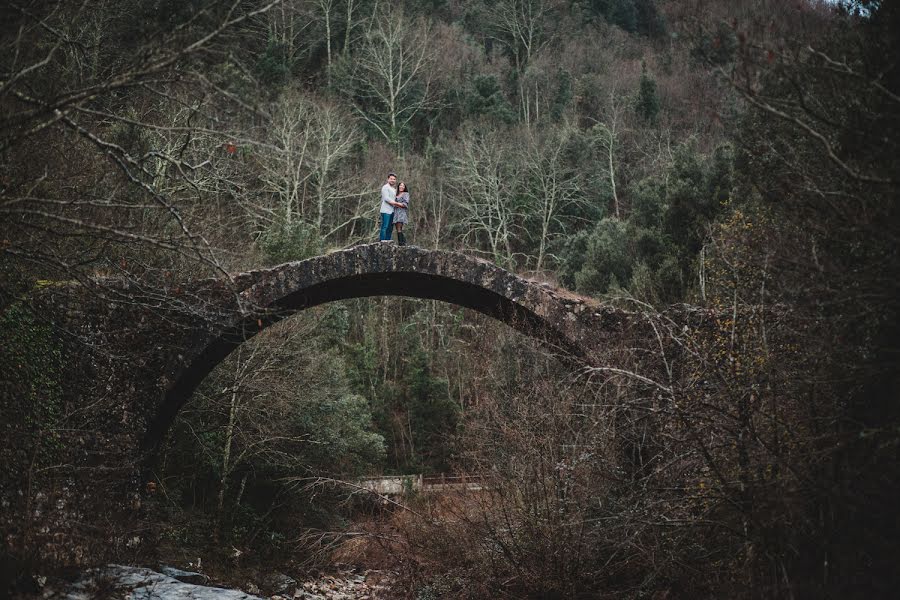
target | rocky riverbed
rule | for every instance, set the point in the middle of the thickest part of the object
(138, 583)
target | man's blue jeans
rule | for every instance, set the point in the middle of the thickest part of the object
(387, 221)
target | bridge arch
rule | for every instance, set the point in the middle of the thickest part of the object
(557, 318)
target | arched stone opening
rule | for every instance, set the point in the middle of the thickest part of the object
(535, 309)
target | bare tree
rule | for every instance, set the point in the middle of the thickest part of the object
(391, 74)
(327, 8)
(609, 135)
(309, 139)
(287, 31)
(109, 139)
(552, 188)
(350, 24)
(482, 183)
(335, 136)
(287, 166)
(522, 27)
(140, 163)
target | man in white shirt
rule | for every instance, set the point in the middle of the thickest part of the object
(388, 203)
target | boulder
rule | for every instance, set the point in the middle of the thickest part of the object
(279, 583)
(184, 576)
(136, 583)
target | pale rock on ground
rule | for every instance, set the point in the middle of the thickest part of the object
(137, 583)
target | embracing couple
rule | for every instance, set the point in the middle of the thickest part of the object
(394, 203)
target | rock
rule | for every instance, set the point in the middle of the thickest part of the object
(136, 583)
(252, 588)
(184, 576)
(279, 583)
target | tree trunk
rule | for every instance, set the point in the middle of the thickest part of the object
(349, 28)
(612, 173)
(226, 449)
(327, 7)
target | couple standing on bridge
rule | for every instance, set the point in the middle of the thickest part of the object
(394, 204)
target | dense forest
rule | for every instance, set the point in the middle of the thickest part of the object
(731, 163)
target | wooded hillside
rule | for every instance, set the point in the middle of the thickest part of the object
(728, 170)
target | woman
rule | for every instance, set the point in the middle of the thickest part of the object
(400, 215)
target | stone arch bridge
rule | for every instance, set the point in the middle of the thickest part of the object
(138, 353)
(173, 340)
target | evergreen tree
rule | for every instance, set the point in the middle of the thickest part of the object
(563, 96)
(647, 105)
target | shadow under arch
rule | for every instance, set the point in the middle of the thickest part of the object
(532, 308)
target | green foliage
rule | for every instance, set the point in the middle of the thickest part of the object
(583, 156)
(414, 410)
(362, 372)
(276, 412)
(696, 191)
(572, 257)
(647, 203)
(652, 253)
(717, 47)
(341, 430)
(484, 97)
(170, 12)
(284, 242)
(647, 104)
(607, 260)
(32, 392)
(433, 414)
(273, 66)
(335, 325)
(650, 21)
(563, 97)
(634, 16)
(622, 13)
(141, 22)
